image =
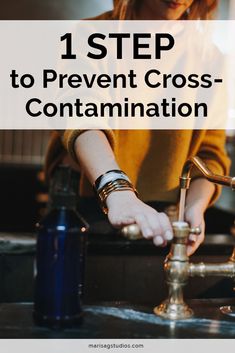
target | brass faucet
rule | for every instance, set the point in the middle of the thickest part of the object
(177, 267)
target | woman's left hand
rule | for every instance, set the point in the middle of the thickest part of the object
(198, 198)
(194, 215)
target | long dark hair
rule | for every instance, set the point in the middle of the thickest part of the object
(200, 9)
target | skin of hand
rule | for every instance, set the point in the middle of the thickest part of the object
(125, 208)
(194, 215)
(198, 199)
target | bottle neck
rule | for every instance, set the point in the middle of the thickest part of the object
(63, 188)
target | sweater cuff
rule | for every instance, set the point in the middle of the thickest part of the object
(70, 136)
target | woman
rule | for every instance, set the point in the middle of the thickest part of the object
(164, 9)
(152, 160)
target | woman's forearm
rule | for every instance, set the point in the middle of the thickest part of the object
(200, 193)
(198, 198)
(94, 154)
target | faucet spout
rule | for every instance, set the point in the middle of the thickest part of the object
(196, 162)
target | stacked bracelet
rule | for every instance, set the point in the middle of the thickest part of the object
(111, 175)
(113, 180)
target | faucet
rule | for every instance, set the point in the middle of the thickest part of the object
(178, 269)
(177, 266)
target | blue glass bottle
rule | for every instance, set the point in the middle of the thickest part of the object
(60, 256)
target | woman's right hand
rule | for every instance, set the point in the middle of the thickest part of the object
(96, 157)
(125, 208)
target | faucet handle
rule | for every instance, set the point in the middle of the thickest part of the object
(182, 231)
(131, 232)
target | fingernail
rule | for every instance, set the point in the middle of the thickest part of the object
(148, 233)
(192, 237)
(168, 235)
(158, 240)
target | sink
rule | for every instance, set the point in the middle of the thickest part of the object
(120, 320)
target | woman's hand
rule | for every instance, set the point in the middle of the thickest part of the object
(198, 199)
(194, 215)
(125, 208)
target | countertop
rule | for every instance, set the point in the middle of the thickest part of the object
(120, 320)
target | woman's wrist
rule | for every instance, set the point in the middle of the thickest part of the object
(110, 182)
(117, 196)
(199, 195)
(200, 205)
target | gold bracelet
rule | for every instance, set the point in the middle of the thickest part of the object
(117, 185)
(110, 186)
(114, 184)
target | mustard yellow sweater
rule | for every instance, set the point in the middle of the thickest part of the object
(152, 159)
